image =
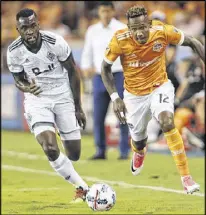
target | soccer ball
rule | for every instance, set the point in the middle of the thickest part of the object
(101, 197)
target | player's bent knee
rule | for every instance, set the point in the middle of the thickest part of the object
(167, 123)
(47, 140)
(51, 151)
(72, 149)
(74, 156)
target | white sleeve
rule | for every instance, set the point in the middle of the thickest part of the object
(62, 49)
(87, 53)
(12, 62)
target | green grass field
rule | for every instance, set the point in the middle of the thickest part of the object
(30, 186)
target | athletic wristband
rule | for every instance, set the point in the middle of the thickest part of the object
(114, 96)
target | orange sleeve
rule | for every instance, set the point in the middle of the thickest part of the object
(113, 51)
(174, 36)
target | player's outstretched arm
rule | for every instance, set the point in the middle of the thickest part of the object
(108, 80)
(195, 45)
(74, 79)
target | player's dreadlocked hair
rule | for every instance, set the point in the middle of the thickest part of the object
(26, 12)
(136, 11)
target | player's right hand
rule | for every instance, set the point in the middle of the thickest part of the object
(120, 110)
(34, 89)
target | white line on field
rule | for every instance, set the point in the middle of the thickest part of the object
(92, 179)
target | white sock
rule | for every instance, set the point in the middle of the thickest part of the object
(63, 166)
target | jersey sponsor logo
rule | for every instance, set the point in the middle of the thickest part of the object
(143, 64)
(157, 46)
(50, 56)
(37, 71)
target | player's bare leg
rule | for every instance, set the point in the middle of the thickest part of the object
(72, 149)
(139, 152)
(176, 146)
(60, 163)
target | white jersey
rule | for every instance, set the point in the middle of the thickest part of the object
(44, 66)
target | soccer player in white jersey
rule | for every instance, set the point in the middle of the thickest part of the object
(44, 69)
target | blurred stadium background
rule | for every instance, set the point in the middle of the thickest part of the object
(72, 18)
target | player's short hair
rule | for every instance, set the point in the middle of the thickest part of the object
(26, 12)
(106, 3)
(136, 11)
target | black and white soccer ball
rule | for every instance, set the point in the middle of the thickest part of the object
(101, 197)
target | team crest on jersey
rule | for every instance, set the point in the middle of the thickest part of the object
(157, 46)
(50, 56)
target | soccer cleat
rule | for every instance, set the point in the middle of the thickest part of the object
(137, 162)
(189, 185)
(80, 194)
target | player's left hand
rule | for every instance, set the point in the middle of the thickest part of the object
(81, 118)
(120, 110)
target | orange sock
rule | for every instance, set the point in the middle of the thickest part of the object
(176, 146)
(182, 117)
(134, 149)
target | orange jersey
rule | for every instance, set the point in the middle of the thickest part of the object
(144, 65)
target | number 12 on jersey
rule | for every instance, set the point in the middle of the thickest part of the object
(163, 98)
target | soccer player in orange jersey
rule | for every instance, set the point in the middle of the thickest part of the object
(148, 91)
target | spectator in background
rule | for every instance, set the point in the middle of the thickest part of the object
(189, 119)
(172, 65)
(193, 80)
(53, 23)
(96, 41)
(71, 14)
(158, 15)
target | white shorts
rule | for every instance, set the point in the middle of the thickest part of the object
(50, 114)
(140, 109)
